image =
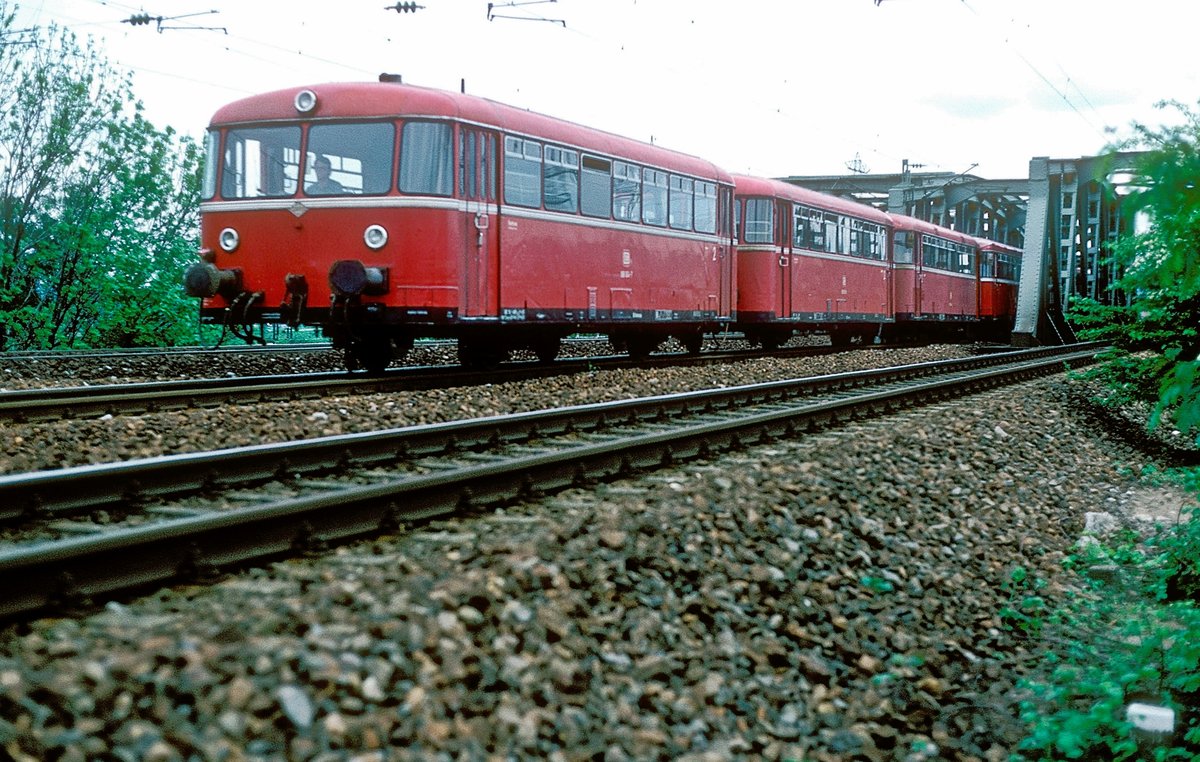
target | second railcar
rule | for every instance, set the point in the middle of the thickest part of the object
(809, 262)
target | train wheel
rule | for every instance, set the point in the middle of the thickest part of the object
(374, 353)
(480, 353)
(839, 338)
(692, 342)
(547, 349)
(640, 347)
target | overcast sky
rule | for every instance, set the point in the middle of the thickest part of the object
(769, 87)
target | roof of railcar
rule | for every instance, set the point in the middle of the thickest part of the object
(341, 100)
(763, 186)
(904, 222)
(987, 244)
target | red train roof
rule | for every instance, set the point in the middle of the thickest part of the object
(904, 222)
(762, 186)
(988, 244)
(385, 99)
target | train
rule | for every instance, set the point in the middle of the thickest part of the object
(383, 212)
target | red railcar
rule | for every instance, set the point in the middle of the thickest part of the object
(385, 212)
(999, 274)
(936, 279)
(808, 262)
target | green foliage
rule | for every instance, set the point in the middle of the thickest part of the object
(1133, 653)
(1025, 611)
(1156, 332)
(1136, 641)
(1177, 575)
(97, 206)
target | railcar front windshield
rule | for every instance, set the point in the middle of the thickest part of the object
(760, 221)
(260, 162)
(349, 159)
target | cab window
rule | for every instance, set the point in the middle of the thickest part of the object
(902, 247)
(760, 221)
(260, 162)
(359, 159)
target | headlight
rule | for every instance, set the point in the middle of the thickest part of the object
(306, 101)
(228, 240)
(375, 236)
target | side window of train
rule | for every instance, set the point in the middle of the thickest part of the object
(260, 162)
(816, 230)
(987, 266)
(706, 207)
(832, 238)
(654, 197)
(427, 158)
(561, 179)
(966, 259)
(1008, 267)
(522, 172)
(867, 241)
(760, 220)
(595, 187)
(212, 160)
(903, 243)
(680, 210)
(359, 157)
(627, 192)
(934, 253)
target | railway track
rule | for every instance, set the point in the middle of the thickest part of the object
(100, 354)
(179, 517)
(27, 405)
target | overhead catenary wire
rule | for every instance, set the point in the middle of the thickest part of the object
(1033, 67)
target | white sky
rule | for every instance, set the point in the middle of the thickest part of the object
(769, 87)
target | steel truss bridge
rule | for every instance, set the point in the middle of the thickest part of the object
(1064, 217)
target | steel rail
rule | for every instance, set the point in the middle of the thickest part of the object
(143, 352)
(44, 575)
(29, 405)
(100, 485)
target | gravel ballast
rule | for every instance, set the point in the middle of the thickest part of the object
(834, 597)
(57, 444)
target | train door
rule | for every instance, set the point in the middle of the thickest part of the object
(783, 234)
(480, 294)
(725, 250)
(918, 272)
